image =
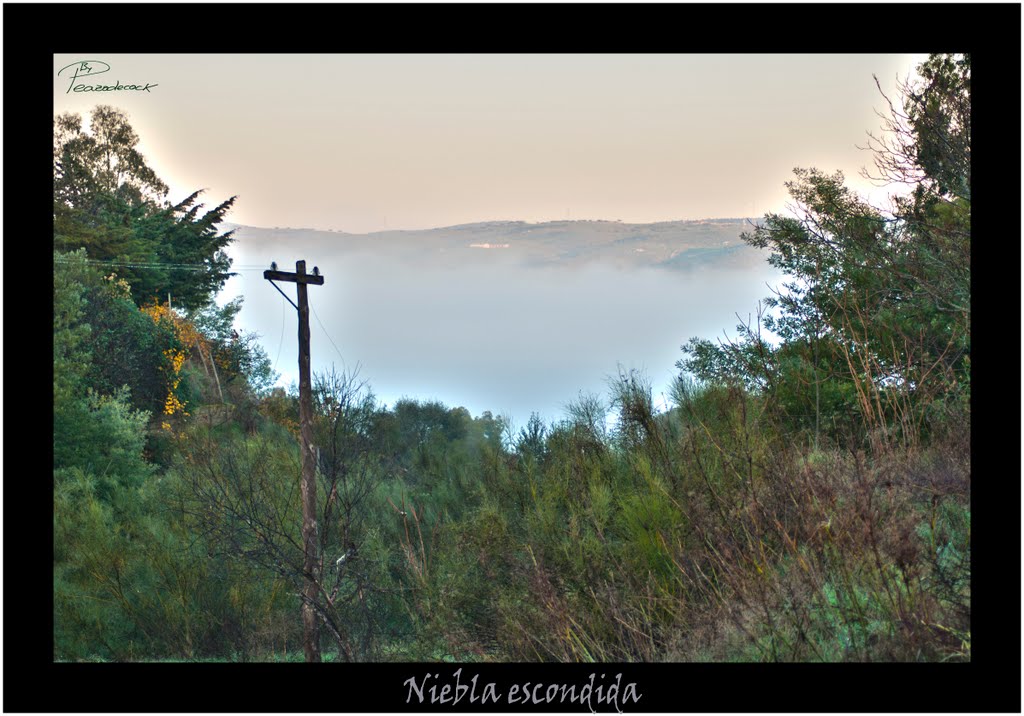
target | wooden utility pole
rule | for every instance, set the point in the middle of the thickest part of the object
(311, 562)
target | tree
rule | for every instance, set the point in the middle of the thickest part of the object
(531, 443)
(926, 142)
(92, 170)
(107, 199)
(98, 470)
(103, 343)
(239, 355)
(926, 145)
(241, 491)
(877, 303)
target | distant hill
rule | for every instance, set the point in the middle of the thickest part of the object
(677, 245)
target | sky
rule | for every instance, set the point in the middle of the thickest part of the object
(363, 143)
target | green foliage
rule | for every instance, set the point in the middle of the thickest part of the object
(530, 443)
(92, 168)
(939, 113)
(89, 559)
(108, 200)
(103, 436)
(182, 238)
(99, 471)
(129, 349)
(873, 325)
(103, 342)
(70, 355)
(240, 356)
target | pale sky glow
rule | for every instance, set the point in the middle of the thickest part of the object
(370, 142)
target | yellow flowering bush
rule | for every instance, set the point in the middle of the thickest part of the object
(120, 286)
(190, 338)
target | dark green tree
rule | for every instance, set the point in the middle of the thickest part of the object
(926, 138)
(102, 345)
(875, 315)
(531, 442)
(107, 199)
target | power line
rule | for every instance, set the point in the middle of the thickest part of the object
(281, 342)
(158, 265)
(328, 336)
(143, 265)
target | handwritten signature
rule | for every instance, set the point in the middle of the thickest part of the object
(91, 68)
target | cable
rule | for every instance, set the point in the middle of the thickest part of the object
(142, 265)
(158, 265)
(280, 343)
(328, 336)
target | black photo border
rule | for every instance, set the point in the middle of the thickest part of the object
(33, 32)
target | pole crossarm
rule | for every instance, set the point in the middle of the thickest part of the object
(293, 277)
